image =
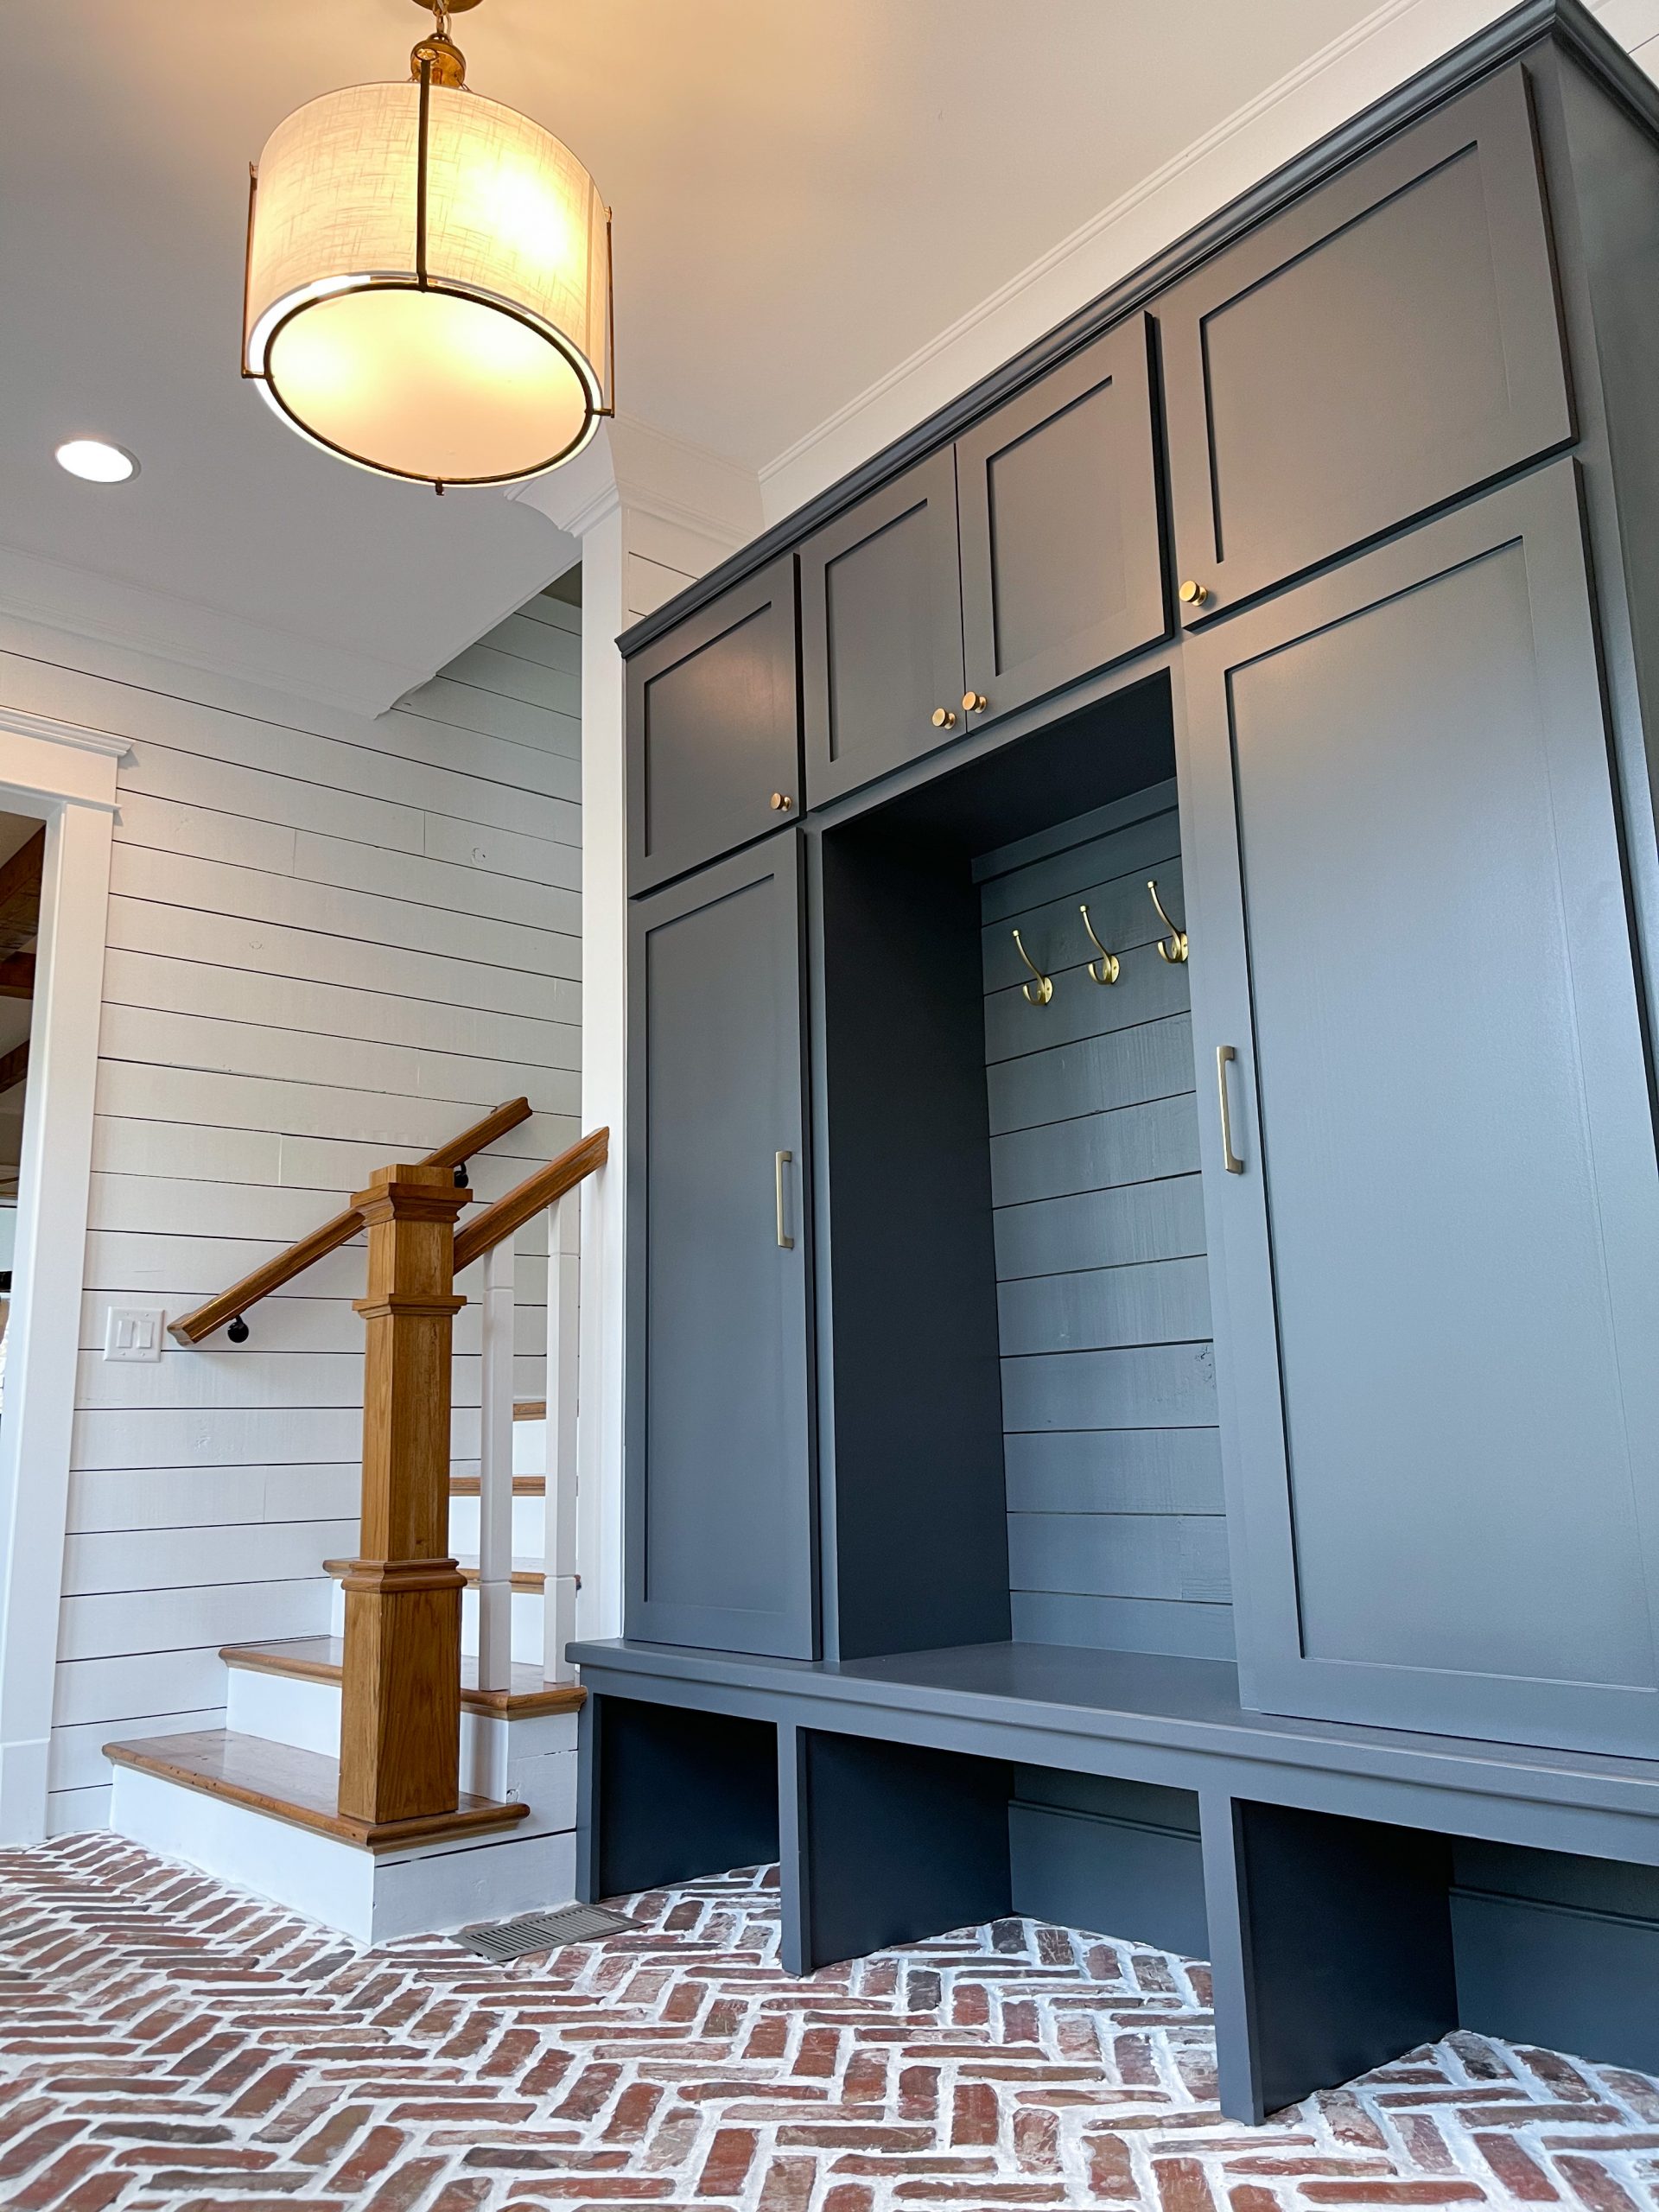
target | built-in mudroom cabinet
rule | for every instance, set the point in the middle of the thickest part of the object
(1143, 1278)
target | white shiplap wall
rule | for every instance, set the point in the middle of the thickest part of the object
(332, 943)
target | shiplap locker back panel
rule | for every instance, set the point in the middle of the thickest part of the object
(1116, 1537)
(333, 941)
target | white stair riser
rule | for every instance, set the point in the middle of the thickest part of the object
(528, 1523)
(530, 1448)
(531, 1760)
(369, 1898)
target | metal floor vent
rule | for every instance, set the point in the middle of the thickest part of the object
(544, 1931)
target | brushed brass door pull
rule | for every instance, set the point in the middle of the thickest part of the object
(1229, 1159)
(780, 1161)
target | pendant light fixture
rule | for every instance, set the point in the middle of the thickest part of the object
(427, 290)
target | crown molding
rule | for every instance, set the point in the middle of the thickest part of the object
(633, 467)
(1376, 54)
(135, 617)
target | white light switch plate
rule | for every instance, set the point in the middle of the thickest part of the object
(134, 1332)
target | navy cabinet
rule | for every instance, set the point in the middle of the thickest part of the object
(1440, 1243)
(881, 632)
(1062, 559)
(1386, 343)
(714, 730)
(719, 1542)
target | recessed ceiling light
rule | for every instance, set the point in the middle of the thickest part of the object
(96, 459)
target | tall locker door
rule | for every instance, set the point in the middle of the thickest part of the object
(719, 1494)
(1429, 1164)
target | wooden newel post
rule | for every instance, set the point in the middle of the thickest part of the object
(400, 1708)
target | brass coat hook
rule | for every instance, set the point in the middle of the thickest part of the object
(1173, 948)
(1103, 970)
(1040, 991)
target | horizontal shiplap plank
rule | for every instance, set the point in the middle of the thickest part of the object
(1152, 1386)
(166, 827)
(514, 676)
(551, 901)
(321, 1009)
(1168, 1626)
(1166, 1302)
(1096, 1151)
(404, 757)
(1147, 990)
(1094, 1075)
(77, 1812)
(1146, 846)
(161, 1091)
(532, 637)
(248, 1375)
(258, 794)
(1118, 1227)
(131, 1685)
(264, 947)
(245, 1048)
(214, 1436)
(1114, 1471)
(76, 1764)
(163, 1620)
(183, 1558)
(1120, 1556)
(330, 1169)
(182, 1271)
(108, 1499)
(1086, 828)
(367, 917)
(494, 714)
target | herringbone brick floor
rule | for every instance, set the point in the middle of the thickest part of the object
(166, 2043)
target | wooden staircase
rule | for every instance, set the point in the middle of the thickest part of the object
(389, 1755)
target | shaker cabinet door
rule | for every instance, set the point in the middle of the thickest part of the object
(720, 1492)
(881, 632)
(1436, 1209)
(714, 730)
(1384, 345)
(1062, 564)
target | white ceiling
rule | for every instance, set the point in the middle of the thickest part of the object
(804, 194)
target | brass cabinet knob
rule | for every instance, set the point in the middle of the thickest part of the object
(944, 718)
(1194, 593)
(781, 802)
(973, 703)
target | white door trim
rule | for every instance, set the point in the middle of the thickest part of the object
(65, 773)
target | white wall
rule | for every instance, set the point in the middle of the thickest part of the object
(333, 943)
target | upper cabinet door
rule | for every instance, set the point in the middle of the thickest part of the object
(714, 730)
(1384, 345)
(881, 632)
(719, 1494)
(1062, 568)
(1438, 1224)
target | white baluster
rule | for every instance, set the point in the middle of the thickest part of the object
(495, 1476)
(559, 1605)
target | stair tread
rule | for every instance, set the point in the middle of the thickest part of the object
(523, 1486)
(300, 1787)
(524, 1576)
(320, 1659)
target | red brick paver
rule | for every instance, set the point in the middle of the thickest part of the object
(168, 2045)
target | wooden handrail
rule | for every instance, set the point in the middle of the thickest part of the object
(191, 1328)
(485, 1230)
